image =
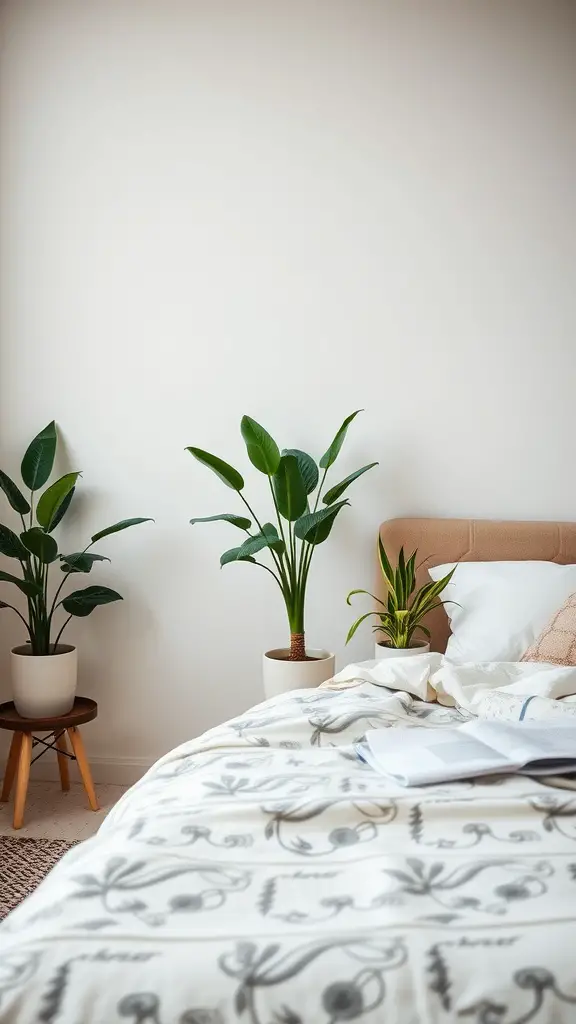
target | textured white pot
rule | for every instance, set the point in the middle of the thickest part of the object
(382, 651)
(281, 675)
(44, 686)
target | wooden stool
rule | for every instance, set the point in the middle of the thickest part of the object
(23, 741)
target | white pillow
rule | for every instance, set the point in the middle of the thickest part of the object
(504, 606)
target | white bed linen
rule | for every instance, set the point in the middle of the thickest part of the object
(262, 875)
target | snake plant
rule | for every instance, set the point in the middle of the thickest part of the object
(400, 616)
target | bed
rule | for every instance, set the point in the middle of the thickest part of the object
(263, 875)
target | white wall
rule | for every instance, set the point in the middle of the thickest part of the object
(289, 209)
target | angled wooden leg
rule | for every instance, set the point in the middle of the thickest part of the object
(11, 765)
(22, 778)
(84, 767)
(61, 745)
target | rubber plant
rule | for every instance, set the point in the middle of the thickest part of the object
(304, 512)
(400, 616)
(36, 549)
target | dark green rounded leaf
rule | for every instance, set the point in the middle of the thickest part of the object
(59, 515)
(39, 458)
(14, 494)
(290, 489)
(333, 451)
(11, 545)
(233, 555)
(117, 527)
(82, 602)
(50, 503)
(226, 473)
(314, 527)
(262, 449)
(81, 561)
(226, 517)
(26, 586)
(40, 544)
(338, 490)
(273, 539)
(308, 468)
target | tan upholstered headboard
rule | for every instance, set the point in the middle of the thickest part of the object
(475, 540)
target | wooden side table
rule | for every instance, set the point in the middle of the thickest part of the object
(23, 742)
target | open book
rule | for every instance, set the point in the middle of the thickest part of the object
(417, 755)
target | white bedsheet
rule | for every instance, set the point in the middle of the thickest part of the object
(262, 875)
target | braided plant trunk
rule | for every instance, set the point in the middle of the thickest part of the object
(297, 647)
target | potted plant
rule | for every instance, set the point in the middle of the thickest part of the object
(43, 669)
(304, 515)
(401, 614)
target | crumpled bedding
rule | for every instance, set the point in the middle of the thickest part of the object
(263, 875)
(529, 691)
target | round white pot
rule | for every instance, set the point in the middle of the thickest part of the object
(383, 651)
(44, 686)
(281, 675)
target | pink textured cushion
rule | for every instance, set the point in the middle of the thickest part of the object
(557, 643)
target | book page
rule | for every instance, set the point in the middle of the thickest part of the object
(526, 741)
(417, 756)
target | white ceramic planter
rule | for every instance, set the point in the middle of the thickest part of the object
(381, 651)
(44, 686)
(281, 675)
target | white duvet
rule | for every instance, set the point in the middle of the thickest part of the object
(262, 875)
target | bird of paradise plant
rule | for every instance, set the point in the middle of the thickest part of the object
(296, 489)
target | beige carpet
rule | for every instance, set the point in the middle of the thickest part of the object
(52, 814)
(23, 865)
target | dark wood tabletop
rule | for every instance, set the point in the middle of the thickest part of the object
(84, 710)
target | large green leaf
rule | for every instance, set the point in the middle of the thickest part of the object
(39, 458)
(82, 602)
(59, 516)
(53, 498)
(233, 555)
(227, 517)
(333, 451)
(226, 473)
(315, 527)
(308, 468)
(26, 586)
(14, 494)
(338, 490)
(268, 538)
(117, 527)
(272, 537)
(80, 561)
(290, 489)
(40, 544)
(11, 545)
(262, 449)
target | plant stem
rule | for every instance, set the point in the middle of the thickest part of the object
(55, 644)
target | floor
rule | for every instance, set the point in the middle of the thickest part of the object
(52, 814)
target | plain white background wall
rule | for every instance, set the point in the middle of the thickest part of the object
(290, 209)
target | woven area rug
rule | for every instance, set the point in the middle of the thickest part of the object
(23, 865)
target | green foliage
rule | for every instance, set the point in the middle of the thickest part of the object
(401, 614)
(301, 526)
(36, 549)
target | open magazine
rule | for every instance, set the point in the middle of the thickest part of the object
(418, 755)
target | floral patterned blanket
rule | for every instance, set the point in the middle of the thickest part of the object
(263, 875)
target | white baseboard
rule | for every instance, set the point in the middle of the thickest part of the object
(120, 772)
